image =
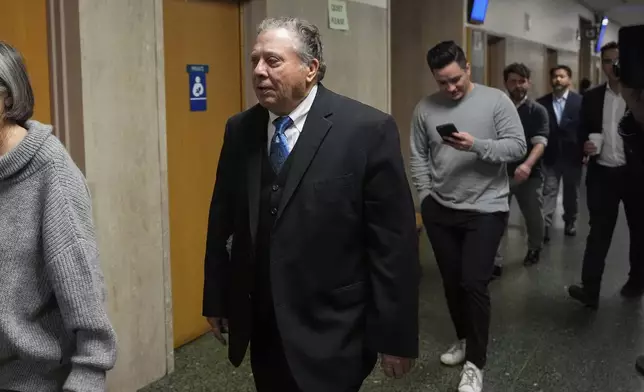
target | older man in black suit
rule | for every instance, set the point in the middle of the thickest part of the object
(324, 272)
(562, 160)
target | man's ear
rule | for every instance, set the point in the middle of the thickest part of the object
(313, 69)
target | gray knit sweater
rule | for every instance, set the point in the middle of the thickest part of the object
(54, 330)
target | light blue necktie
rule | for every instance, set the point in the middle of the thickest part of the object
(279, 145)
(558, 104)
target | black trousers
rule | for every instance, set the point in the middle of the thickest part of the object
(268, 362)
(271, 370)
(465, 245)
(606, 187)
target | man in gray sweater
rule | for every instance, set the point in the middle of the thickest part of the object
(463, 186)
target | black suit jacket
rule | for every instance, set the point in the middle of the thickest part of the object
(344, 247)
(592, 112)
(592, 117)
(564, 143)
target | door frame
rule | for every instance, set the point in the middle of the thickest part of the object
(66, 100)
(64, 70)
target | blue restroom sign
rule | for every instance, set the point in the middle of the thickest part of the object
(198, 96)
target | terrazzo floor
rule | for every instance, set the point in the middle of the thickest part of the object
(541, 341)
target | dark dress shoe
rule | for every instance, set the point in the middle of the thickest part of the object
(639, 364)
(498, 271)
(632, 289)
(571, 229)
(532, 257)
(584, 296)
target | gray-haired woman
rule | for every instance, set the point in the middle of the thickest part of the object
(54, 331)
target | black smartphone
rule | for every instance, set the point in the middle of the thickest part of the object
(446, 130)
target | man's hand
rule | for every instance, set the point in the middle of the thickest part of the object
(395, 366)
(219, 327)
(590, 148)
(522, 173)
(461, 141)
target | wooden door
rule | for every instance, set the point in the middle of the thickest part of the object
(551, 60)
(196, 33)
(24, 26)
(495, 61)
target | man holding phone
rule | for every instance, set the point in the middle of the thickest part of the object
(461, 139)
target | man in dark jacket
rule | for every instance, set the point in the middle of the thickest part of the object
(631, 61)
(609, 182)
(323, 268)
(562, 160)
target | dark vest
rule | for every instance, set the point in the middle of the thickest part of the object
(272, 185)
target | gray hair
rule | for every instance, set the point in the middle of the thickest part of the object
(14, 84)
(308, 35)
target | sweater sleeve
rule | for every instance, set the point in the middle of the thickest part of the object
(419, 157)
(73, 270)
(541, 126)
(510, 144)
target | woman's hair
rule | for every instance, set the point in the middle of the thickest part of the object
(15, 88)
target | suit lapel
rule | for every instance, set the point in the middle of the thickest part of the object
(258, 129)
(316, 127)
(601, 96)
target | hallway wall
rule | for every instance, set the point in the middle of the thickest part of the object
(416, 26)
(570, 59)
(533, 55)
(553, 22)
(124, 130)
(357, 60)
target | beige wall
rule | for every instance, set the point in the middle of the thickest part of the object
(123, 117)
(570, 59)
(416, 26)
(552, 22)
(357, 60)
(533, 55)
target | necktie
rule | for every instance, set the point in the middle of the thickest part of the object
(559, 109)
(279, 145)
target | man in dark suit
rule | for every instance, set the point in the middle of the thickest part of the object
(563, 157)
(629, 70)
(608, 182)
(323, 273)
(610, 179)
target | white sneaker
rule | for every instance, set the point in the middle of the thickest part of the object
(471, 379)
(455, 355)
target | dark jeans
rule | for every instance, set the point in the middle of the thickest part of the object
(530, 198)
(464, 244)
(606, 187)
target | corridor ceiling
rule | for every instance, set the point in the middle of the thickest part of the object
(623, 12)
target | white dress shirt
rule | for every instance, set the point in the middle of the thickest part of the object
(559, 105)
(298, 116)
(612, 152)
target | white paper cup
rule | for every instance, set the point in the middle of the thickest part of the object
(598, 140)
